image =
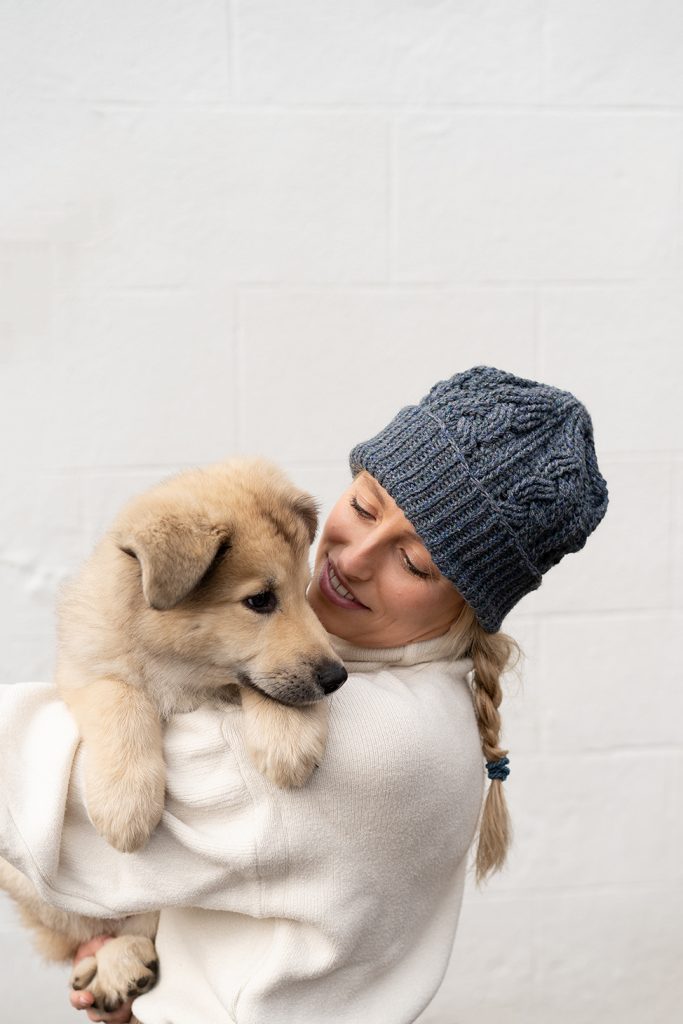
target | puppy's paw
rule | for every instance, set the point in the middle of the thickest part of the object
(126, 807)
(122, 968)
(83, 973)
(285, 743)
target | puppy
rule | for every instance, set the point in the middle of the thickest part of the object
(197, 593)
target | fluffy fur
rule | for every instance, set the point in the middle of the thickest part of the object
(197, 593)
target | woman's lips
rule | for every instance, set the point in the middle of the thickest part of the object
(328, 580)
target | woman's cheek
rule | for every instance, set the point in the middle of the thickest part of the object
(399, 599)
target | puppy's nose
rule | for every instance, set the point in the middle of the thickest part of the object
(331, 675)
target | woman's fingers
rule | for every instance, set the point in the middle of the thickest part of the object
(81, 1000)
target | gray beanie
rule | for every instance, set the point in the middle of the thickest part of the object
(499, 477)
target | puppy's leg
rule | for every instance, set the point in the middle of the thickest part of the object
(124, 766)
(124, 967)
(285, 743)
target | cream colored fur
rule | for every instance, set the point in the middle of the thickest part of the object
(157, 622)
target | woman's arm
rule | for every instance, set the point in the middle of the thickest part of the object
(38, 743)
(206, 851)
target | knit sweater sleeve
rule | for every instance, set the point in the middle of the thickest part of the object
(402, 761)
(205, 852)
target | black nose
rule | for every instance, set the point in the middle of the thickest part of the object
(331, 675)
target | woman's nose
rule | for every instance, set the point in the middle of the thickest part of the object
(357, 560)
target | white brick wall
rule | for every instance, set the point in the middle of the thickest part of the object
(243, 225)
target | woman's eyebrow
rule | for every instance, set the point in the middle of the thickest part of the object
(374, 487)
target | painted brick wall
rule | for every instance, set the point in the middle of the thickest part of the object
(261, 226)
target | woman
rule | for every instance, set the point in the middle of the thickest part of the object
(343, 902)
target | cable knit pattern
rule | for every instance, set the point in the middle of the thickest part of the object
(499, 476)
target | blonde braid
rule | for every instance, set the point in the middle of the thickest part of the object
(492, 654)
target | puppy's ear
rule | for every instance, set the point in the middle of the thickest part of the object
(174, 552)
(306, 508)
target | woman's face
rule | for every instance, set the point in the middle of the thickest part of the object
(374, 583)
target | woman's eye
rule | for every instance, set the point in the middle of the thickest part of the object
(414, 569)
(363, 512)
(263, 603)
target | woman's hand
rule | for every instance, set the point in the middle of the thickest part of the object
(84, 1000)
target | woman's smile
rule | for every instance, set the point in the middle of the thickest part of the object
(334, 590)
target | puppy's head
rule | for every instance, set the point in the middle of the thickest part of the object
(215, 563)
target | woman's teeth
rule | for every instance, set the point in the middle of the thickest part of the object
(341, 590)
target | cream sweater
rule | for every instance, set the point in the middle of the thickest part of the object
(334, 904)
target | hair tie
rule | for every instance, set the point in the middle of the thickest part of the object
(498, 769)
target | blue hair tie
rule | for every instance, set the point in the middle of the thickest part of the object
(499, 769)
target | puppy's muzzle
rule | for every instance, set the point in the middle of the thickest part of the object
(330, 675)
(296, 687)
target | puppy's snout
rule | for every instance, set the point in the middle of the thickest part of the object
(331, 675)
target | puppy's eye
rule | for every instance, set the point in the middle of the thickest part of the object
(263, 603)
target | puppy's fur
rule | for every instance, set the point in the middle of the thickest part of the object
(197, 593)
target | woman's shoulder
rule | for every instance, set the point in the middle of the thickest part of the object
(389, 711)
(450, 674)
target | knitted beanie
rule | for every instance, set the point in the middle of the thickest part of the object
(499, 477)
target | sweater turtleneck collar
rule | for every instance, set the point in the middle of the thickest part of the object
(440, 648)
